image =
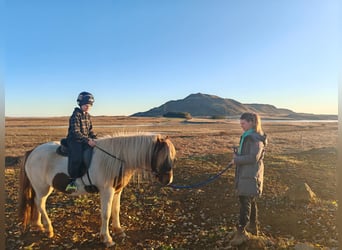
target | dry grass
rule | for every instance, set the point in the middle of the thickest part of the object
(190, 138)
(190, 219)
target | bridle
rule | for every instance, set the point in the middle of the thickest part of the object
(164, 169)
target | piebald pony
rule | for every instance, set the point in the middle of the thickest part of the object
(44, 170)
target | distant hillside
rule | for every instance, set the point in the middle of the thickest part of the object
(204, 105)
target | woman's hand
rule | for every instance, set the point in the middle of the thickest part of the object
(91, 143)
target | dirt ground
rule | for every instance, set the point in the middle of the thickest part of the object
(202, 218)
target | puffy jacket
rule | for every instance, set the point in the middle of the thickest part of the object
(249, 173)
(80, 126)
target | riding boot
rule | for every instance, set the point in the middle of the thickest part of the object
(72, 187)
(240, 237)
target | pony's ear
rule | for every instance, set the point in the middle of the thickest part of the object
(162, 139)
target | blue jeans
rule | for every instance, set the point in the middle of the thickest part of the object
(75, 159)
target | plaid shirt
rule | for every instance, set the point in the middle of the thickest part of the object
(80, 126)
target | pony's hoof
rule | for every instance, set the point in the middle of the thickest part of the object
(50, 235)
(109, 244)
(121, 234)
(107, 241)
(37, 228)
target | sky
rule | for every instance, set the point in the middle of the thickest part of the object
(134, 55)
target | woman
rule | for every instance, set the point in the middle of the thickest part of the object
(80, 137)
(249, 175)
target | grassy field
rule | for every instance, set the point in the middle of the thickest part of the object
(154, 218)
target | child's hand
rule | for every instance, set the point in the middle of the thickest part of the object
(91, 143)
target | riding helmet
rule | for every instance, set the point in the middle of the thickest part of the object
(85, 98)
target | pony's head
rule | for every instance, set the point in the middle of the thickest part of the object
(163, 157)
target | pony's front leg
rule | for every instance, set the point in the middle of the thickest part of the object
(117, 230)
(106, 205)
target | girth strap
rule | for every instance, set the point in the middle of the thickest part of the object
(89, 188)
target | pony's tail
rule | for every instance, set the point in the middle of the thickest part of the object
(27, 206)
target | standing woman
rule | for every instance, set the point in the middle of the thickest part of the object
(249, 175)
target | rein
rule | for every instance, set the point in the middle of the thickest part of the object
(115, 157)
(106, 152)
(203, 183)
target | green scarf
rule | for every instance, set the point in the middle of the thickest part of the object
(244, 135)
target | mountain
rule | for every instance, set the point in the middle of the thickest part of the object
(204, 105)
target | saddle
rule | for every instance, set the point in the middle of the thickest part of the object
(64, 151)
(87, 155)
(63, 148)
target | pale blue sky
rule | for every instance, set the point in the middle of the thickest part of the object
(134, 55)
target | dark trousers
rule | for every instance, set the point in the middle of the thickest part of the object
(248, 211)
(75, 159)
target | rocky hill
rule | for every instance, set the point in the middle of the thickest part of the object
(204, 105)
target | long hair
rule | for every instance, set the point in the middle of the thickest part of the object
(255, 119)
(133, 151)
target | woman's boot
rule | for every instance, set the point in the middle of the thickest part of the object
(253, 228)
(240, 237)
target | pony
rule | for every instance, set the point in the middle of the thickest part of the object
(114, 161)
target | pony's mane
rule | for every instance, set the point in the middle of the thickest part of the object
(131, 152)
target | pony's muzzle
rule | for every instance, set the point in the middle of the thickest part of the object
(166, 178)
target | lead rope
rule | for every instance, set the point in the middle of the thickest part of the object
(203, 183)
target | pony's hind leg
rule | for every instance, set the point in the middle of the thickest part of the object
(40, 201)
(36, 223)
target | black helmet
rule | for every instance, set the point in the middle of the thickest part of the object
(85, 98)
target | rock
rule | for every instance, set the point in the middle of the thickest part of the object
(301, 192)
(258, 243)
(305, 246)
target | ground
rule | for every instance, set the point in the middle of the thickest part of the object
(157, 217)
